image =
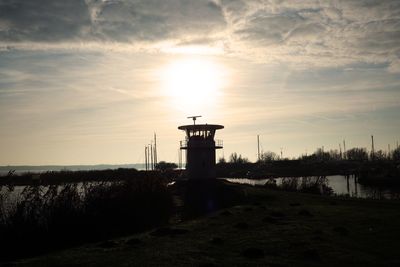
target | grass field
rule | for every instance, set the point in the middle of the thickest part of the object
(268, 228)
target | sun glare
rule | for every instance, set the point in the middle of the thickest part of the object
(193, 82)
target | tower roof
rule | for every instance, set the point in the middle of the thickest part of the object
(201, 127)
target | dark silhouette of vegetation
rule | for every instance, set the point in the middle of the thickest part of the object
(266, 228)
(396, 154)
(65, 176)
(314, 185)
(378, 168)
(222, 160)
(268, 157)
(165, 166)
(358, 154)
(237, 159)
(56, 216)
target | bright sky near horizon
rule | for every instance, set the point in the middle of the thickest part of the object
(90, 81)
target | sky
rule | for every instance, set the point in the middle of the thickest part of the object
(90, 81)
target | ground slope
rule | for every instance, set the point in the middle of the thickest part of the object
(270, 228)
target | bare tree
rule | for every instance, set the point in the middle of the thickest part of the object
(235, 158)
(268, 156)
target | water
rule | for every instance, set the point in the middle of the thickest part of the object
(11, 195)
(340, 185)
(45, 168)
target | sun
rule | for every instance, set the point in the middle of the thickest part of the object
(193, 82)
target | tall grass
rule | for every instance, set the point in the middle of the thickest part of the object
(307, 184)
(56, 216)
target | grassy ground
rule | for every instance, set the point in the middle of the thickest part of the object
(269, 228)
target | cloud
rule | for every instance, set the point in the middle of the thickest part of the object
(313, 33)
(112, 21)
(302, 33)
(43, 20)
(394, 66)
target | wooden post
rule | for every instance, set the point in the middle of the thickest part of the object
(179, 158)
(155, 150)
(145, 158)
(258, 147)
(355, 186)
(344, 149)
(151, 157)
(372, 148)
(148, 158)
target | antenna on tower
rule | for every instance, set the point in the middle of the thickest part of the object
(194, 119)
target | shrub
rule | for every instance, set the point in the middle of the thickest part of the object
(56, 216)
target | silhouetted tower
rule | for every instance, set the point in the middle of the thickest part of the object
(200, 149)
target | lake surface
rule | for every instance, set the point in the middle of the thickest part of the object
(340, 184)
(45, 168)
(11, 195)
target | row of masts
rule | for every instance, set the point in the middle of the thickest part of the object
(373, 147)
(150, 152)
(150, 155)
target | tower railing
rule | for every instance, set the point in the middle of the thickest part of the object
(183, 144)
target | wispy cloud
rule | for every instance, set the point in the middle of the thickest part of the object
(304, 33)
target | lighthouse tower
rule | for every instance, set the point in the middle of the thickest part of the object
(200, 149)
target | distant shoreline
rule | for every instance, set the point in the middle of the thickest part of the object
(45, 168)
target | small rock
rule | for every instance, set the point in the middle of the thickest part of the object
(341, 230)
(8, 264)
(269, 219)
(253, 253)
(216, 241)
(311, 254)
(134, 242)
(318, 238)
(277, 214)
(318, 232)
(305, 213)
(175, 231)
(166, 231)
(208, 264)
(108, 244)
(163, 231)
(298, 244)
(248, 209)
(274, 264)
(241, 225)
(226, 213)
